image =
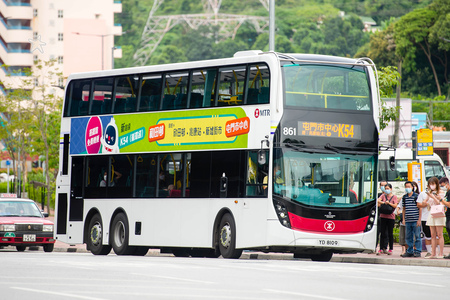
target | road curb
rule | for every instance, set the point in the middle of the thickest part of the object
(442, 263)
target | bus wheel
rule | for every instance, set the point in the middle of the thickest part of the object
(95, 237)
(21, 248)
(48, 247)
(227, 238)
(119, 235)
(325, 256)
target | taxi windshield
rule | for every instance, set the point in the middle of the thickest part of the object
(19, 209)
(324, 179)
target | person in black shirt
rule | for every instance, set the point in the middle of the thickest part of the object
(444, 183)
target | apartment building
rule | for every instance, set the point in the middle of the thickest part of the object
(78, 34)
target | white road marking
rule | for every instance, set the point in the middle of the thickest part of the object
(309, 296)
(175, 278)
(395, 280)
(56, 293)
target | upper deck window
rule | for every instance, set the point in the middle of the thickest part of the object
(326, 87)
(194, 88)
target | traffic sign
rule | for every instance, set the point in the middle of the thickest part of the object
(425, 142)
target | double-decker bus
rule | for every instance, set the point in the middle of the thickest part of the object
(261, 151)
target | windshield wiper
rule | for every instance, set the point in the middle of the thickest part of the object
(348, 150)
(308, 150)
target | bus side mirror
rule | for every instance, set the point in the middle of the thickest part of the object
(392, 163)
(223, 186)
(262, 157)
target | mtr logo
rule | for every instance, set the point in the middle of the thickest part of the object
(262, 113)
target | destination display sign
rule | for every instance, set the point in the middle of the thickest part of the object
(333, 130)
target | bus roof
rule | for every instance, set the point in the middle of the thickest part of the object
(239, 57)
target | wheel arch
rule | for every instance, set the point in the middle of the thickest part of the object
(219, 217)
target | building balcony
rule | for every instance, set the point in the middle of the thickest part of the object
(12, 81)
(117, 52)
(12, 35)
(117, 6)
(15, 56)
(117, 29)
(13, 10)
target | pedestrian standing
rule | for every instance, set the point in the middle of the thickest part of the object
(411, 219)
(382, 188)
(436, 223)
(387, 220)
(445, 185)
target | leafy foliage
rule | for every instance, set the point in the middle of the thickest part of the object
(32, 119)
(388, 78)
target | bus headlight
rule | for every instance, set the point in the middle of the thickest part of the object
(282, 214)
(371, 219)
(7, 227)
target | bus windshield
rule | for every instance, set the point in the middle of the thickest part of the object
(324, 179)
(326, 87)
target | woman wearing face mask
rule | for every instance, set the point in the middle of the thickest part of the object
(436, 224)
(387, 221)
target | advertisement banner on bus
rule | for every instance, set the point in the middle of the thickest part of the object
(165, 131)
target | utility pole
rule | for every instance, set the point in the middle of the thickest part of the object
(397, 105)
(271, 25)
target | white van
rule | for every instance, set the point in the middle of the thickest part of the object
(431, 165)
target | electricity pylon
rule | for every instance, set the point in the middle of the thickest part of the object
(228, 25)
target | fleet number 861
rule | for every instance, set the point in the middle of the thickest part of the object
(289, 131)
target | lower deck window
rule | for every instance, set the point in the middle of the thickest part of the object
(170, 175)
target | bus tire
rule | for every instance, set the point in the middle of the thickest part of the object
(227, 238)
(325, 256)
(21, 248)
(48, 247)
(95, 237)
(120, 235)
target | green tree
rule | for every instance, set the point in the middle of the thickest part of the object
(33, 112)
(412, 32)
(387, 79)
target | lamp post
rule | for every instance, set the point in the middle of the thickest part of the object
(97, 35)
(112, 56)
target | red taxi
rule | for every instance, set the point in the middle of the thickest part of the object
(22, 224)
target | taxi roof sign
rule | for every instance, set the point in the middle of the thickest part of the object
(6, 195)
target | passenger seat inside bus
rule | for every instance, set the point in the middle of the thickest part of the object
(96, 107)
(83, 108)
(120, 105)
(180, 101)
(168, 102)
(252, 96)
(196, 100)
(131, 104)
(263, 97)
